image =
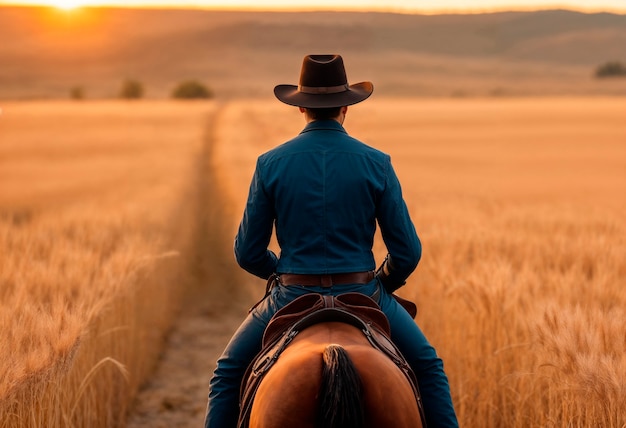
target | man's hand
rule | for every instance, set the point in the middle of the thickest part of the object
(383, 275)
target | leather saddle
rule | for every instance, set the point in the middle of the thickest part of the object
(355, 309)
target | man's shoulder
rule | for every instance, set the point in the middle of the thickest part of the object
(366, 148)
(278, 151)
(358, 147)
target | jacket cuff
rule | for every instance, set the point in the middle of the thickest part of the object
(385, 274)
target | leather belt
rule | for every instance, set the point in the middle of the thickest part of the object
(326, 280)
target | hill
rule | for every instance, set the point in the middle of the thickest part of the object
(247, 53)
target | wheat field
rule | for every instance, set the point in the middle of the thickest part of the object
(518, 202)
(95, 213)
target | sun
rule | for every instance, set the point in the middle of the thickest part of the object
(68, 4)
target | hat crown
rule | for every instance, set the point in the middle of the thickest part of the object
(323, 71)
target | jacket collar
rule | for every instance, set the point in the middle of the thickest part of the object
(328, 125)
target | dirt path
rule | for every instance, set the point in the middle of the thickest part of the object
(218, 301)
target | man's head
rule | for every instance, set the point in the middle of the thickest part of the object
(323, 85)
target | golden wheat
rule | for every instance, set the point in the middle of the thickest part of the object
(517, 201)
(88, 197)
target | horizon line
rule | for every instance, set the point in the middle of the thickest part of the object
(306, 9)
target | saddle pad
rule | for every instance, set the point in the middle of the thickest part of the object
(355, 303)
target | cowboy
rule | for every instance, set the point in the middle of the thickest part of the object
(324, 192)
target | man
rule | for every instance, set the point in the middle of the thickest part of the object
(324, 191)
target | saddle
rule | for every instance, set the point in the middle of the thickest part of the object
(355, 309)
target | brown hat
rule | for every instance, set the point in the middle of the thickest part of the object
(323, 84)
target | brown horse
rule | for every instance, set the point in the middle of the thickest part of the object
(330, 376)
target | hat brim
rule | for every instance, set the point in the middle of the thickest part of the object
(289, 94)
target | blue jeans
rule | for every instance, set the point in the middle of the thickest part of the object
(223, 405)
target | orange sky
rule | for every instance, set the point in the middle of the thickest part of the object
(387, 5)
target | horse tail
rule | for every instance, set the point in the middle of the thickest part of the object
(341, 402)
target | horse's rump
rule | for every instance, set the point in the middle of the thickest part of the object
(330, 356)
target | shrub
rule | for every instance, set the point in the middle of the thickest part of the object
(611, 69)
(131, 89)
(77, 93)
(191, 89)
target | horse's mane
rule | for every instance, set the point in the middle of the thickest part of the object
(341, 392)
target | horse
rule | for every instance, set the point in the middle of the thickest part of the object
(329, 375)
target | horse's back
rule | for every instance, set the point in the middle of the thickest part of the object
(289, 395)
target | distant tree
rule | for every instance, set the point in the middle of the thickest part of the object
(77, 93)
(131, 89)
(191, 89)
(611, 69)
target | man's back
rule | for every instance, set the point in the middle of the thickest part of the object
(324, 186)
(324, 192)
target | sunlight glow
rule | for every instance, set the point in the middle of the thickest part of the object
(67, 4)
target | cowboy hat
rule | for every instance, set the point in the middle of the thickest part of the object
(323, 84)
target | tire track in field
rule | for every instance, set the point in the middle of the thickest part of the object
(215, 306)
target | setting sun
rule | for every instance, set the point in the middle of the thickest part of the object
(68, 4)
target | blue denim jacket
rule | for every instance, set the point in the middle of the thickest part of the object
(324, 191)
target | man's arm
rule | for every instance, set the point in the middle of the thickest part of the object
(255, 231)
(398, 232)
